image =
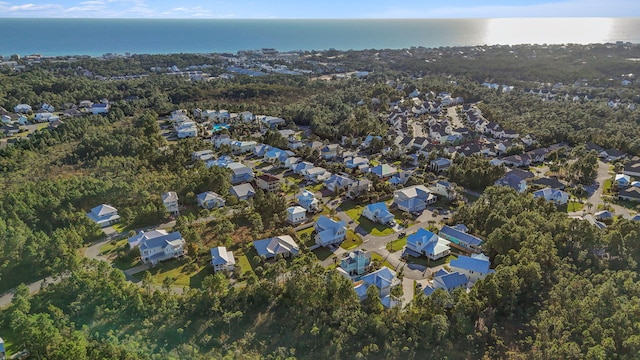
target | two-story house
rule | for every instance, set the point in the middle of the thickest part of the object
(221, 259)
(355, 262)
(474, 267)
(384, 280)
(296, 215)
(329, 231)
(424, 242)
(379, 213)
(268, 183)
(280, 245)
(210, 200)
(104, 215)
(170, 201)
(162, 248)
(460, 237)
(413, 199)
(308, 201)
(240, 173)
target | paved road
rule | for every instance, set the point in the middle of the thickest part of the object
(5, 299)
(456, 122)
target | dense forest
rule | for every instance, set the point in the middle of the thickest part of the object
(562, 288)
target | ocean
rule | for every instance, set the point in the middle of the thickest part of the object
(95, 37)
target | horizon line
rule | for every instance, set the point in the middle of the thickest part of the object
(302, 18)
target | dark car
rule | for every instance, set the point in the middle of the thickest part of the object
(402, 234)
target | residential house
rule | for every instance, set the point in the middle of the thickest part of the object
(43, 116)
(446, 281)
(271, 122)
(222, 161)
(474, 267)
(6, 119)
(439, 165)
(220, 140)
(358, 187)
(260, 149)
(622, 180)
(291, 162)
(413, 199)
(336, 183)
(280, 245)
(383, 171)
(104, 215)
(170, 201)
(356, 262)
(316, 174)
(22, 120)
(240, 173)
(221, 259)
(186, 129)
(603, 215)
(558, 197)
(203, 155)
(101, 108)
(631, 193)
(400, 178)
(22, 108)
(444, 189)
(246, 116)
(162, 248)
(3, 351)
(241, 147)
(367, 140)
(379, 213)
(143, 236)
(517, 160)
(550, 182)
(424, 242)
(384, 280)
(632, 169)
(268, 183)
(356, 162)
(299, 167)
(296, 215)
(85, 104)
(329, 231)
(210, 200)
(243, 191)
(612, 155)
(330, 151)
(513, 181)
(308, 201)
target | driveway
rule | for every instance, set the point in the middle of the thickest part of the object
(596, 192)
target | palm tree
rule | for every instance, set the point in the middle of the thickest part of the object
(589, 206)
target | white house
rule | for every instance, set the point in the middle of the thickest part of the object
(22, 108)
(187, 129)
(384, 280)
(474, 267)
(104, 215)
(308, 201)
(444, 189)
(162, 248)
(296, 215)
(99, 108)
(379, 213)
(329, 231)
(271, 247)
(170, 201)
(558, 197)
(241, 147)
(243, 191)
(210, 200)
(221, 259)
(424, 242)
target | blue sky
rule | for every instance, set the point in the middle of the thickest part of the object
(251, 9)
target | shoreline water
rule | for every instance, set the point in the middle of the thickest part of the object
(96, 37)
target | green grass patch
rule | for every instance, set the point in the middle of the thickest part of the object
(573, 206)
(322, 253)
(177, 270)
(606, 187)
(353, 240)
(309, 239)
(114, 246)
(120, 227)
(374, 162)
(355, 213)
(316, 187)
(425, 261)
(397, 245)
(244, 264)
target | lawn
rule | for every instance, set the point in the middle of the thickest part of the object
(397, 245)
(322, 253)
(114, 246)
(355, 213)
(177, 271)
(378, 257)
(353, 241)
(573, 206)
(310, 241)
(606, 187)
(120, 227)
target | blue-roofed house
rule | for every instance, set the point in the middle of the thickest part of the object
(222, 161)
(99, 108)
(424, 242)
(379, 213)
(337, 182)
(299, 167)
(329, 231)
(384, 280)
(461, 238)
(143, 236)
(356, 262)
(271, 247)
(308, 201)
(356, 162)
(400, 178)
(475, 267)
(622, 180)
(221, 259)
(104, 215)
(413, 199)
(296, 215)
(162, 248)
(260, 149)
(557, 197)
(447, 281)
(383, 171)
(330, 151)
